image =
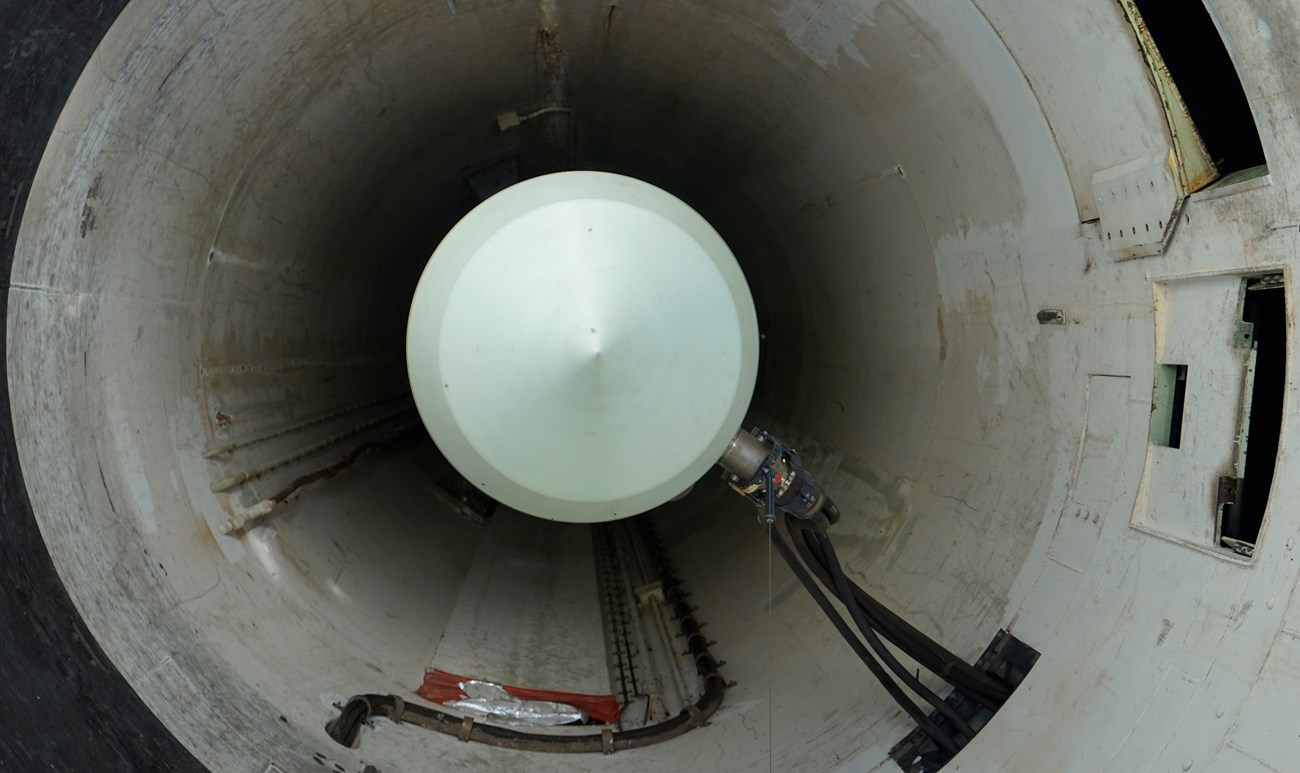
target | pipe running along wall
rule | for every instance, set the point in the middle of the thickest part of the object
(210, 284)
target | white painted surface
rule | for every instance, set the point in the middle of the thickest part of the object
(1196, 326)
(567, 332)
(1080, 62)
(254, 170)
(525, 614)
(1138, 203)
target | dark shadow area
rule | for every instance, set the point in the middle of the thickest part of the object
(1265, 308)
(1200, 66)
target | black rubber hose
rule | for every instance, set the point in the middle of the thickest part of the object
(846, 597)
(957, 672)
(942, 706)
(824, 603)
(929, 653)
(923, 649)
(942, 739)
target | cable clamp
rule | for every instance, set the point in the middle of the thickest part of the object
(466, 726)
(399, 708)
(697, 717)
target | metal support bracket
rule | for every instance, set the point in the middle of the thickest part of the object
(1138, 205)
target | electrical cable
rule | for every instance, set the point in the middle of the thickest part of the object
(921, 648)
(892, 662)
(769, 473)
(941, 738)
(916, 644)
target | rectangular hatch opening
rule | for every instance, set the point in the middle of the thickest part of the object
(1196, 60)
(1167, 404)
(1263, 331)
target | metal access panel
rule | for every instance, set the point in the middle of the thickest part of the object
(1182, 489)
(1138, 204)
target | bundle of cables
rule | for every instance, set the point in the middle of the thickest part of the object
(806, 548)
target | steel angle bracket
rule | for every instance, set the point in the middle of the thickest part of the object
(1138, 204)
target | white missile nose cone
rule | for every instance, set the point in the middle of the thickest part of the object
(582, 346)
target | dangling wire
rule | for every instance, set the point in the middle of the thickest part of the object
(771, 652)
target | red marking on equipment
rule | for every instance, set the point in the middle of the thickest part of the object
(442, 687)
